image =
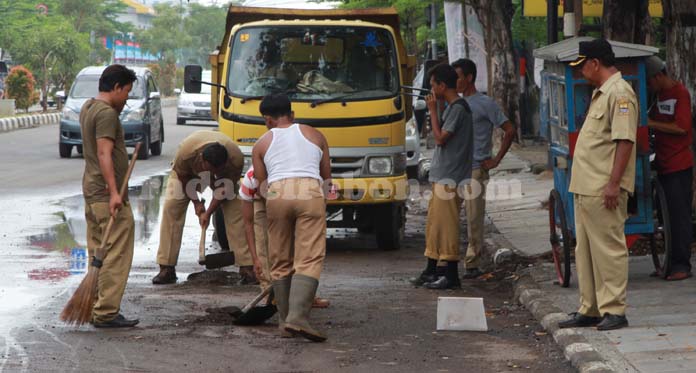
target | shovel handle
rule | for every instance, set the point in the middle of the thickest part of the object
(201, 248)
(256, 300)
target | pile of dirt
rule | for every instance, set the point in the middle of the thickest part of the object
(214, 277)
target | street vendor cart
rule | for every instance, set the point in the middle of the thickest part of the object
(565, 98)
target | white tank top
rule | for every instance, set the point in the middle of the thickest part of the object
(291, 155)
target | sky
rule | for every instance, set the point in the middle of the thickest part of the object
(303, 4)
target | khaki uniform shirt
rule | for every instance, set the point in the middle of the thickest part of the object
(188, 161)
(99, 120)
(612, 116)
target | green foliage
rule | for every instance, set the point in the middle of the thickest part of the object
(20, 84)
(414, 29)
(205, 25)
(165, 75)
(530, 30)
(166, 37)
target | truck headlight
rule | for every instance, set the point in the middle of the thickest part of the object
(411, 128)
(380, 165)
(70, 114)
(133, 115)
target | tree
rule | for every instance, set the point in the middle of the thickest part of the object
(44, 51)
(205, 25)
(411, 17)
(20, 84)
(496, 17)
(626, 20)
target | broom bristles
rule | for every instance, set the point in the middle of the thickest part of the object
(78, 310)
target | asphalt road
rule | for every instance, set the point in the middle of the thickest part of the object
(376, 321)
(30, 164)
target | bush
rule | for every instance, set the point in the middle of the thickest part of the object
(20, 85)
(165, 74)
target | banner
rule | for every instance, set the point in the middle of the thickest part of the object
(458, 36)
(590, 8)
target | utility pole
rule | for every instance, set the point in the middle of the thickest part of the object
(466, 29)
(433, 28)
(569, 29)
(552, 21)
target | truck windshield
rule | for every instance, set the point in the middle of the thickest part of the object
(313, 63)
(88, 86)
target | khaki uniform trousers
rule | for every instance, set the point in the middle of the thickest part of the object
(261, 238)
(118, 256)
(475, 205)
(296, 212)
(601, 256)
(442, 225)
(174, 216)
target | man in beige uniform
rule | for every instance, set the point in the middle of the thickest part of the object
(216, 153)
(106, 164)
(602, 176)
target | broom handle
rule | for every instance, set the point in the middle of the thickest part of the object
(122, 192)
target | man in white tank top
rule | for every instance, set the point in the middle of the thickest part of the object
(291, 163)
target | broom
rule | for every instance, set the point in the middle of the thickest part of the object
(78, 310)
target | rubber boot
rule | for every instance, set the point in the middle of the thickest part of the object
(302, 294)
(281, 292)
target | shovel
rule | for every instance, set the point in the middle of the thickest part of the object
(252, 315)
(213, 261)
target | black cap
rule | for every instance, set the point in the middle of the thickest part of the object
(597, 48)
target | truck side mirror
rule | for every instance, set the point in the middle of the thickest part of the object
(192, 78)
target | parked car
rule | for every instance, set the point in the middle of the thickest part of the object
(412, 147)
(141, 118)
(194, 106)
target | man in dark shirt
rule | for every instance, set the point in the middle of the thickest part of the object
(449, 173)
(670, 118)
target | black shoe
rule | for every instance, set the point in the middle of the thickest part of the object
(118, 322)
(579, 320)
(422, 279)
(611, 322)
(471, 274)
(443, 283)
(167, 275)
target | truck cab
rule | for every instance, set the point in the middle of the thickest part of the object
(343, 72)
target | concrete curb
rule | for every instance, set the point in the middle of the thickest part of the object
(8, 124)
(575, 346)
(28, 121)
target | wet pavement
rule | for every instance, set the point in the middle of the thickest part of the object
(376, 321)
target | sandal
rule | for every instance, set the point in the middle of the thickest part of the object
(320, 303)
(678, 276)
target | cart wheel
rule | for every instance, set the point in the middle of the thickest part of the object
(663, 231)
(560, 238)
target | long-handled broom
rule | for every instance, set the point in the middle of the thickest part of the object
(78, 311)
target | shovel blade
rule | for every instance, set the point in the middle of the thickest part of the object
(219, 260)
(255, 316)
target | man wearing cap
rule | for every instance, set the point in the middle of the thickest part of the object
(602, 176)
(670, 119)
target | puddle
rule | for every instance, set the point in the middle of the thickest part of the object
(68, 236)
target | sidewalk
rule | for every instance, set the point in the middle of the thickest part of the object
(662, 315)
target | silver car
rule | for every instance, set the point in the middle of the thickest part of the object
(194, 106)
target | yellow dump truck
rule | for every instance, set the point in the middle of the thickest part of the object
(343, 71)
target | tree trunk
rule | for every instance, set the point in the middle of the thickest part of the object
(503, 83)
(680, 31)
(626, 20)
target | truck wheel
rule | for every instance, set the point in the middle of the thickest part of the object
(64, 150)
(79, 149)
(220, 232)
(144, 152)
(390, 225)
